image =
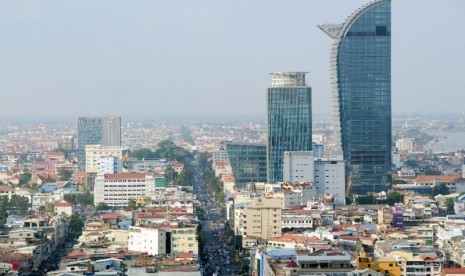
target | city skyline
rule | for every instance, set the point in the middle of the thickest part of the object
(150, 74)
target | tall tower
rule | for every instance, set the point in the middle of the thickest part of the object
(360, 70)
(104, 131)
(289, 120)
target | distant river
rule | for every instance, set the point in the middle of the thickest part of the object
(454, 141)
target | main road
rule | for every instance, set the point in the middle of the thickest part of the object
(217, 258)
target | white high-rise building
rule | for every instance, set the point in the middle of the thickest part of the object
(95, 153)
(298, 166)
(149, 240)
(116, 189)
(110, 164)
(330, 177)
(404, 144)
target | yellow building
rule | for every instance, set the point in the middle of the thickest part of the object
(184, 240)
(262, 219)
(143, 200)
(386, 266)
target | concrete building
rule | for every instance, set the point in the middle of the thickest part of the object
(63, 206)
(298, 166)
(110, 164)
(184, 239)
(262, 219)
(116, 189)
(405, 144)
(149, 240)
(318, 150)
(97, 154)
(330, 177)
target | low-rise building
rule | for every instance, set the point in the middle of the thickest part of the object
(117, 189)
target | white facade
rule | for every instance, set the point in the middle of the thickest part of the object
(330, 177)
(404, 144)
(221, 155)
(94, 154)
(298, 166)
(110, 164)
(289, 199)
(150, 240)
(116, 189)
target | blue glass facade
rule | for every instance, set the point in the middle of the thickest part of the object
(361, 82)
(248, 162)
(105, 131)
(289, 120)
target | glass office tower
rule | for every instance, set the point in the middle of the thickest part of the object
(248, 162)
(289, 120)
(104, 131)
(360, 70)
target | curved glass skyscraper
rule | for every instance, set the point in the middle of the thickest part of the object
(360, 70)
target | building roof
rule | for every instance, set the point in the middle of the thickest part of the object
(453, 270)
(6, 188)
(117, 176)
(441, 178)
(62, 203)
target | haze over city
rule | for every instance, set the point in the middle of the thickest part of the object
(155, 59)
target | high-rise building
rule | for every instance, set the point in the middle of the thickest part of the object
(360, 70)
(248, 162)
(298, 166)
(104, 131)
(289, 120)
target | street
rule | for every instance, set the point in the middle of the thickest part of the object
(217, 257)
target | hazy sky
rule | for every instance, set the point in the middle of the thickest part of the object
(153, 58)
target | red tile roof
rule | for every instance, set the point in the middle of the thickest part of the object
(441, 178)
(62, 203)
(6, 188)
(117, 176)
(453, 270)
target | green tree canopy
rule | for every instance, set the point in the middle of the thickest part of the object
(440, 189)
(25, 178)
(394, 197)
(83, 199)
(102, 206)
(131, 205)
(75, 226)
(65, 174)
(450, 205)
(366, 199)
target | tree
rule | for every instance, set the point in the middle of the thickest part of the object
(3, 209)
(393, 197)
(367, 199)
(440, 189)
(81, 199)
(170, 174)
(399, 181)
(75, 226)
(181, 179)
(450, 205)
(102, 206)
(20, 204)
(202, 160)
(65, 174)
(131, 205)
(25, 178)
(143, 153)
